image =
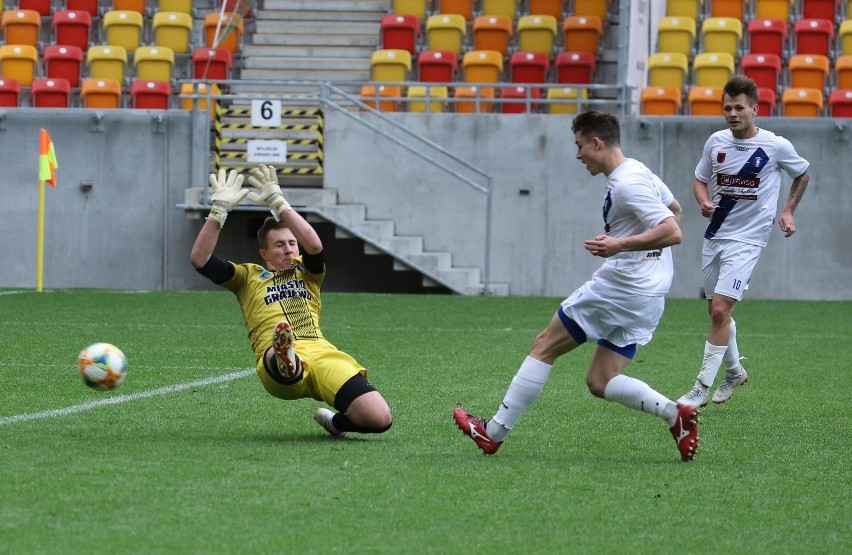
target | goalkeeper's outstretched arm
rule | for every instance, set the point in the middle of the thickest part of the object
(227, 193)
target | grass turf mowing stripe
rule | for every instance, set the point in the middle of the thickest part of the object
(124, 398)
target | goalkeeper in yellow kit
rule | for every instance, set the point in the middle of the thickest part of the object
(281, 307)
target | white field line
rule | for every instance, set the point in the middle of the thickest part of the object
(124, 398)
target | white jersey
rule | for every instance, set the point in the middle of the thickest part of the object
(636, 200)
(744, 179)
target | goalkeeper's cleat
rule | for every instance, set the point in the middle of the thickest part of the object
(474, 428)
(685, 431)
(323, 417)
(695, 397)
(734, 378)
(282, 344)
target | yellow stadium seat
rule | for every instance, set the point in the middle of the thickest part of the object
(446, 32)
(482, 66)
(476, 96)
(390, 65)
(492, 32)
(536, 33)
(773, 9)
(182, 6)
(844, 32)
(808, 71)
(667, 69)
(575, 94)
(200, 89)
(676, 34)
(843, 71)
(509, 8)
(389, 97)
(410, 7)
(100, 93)
(712, 69)
(174, 30)
(123, 28)
(722, 34)
(705, 101)
(684, 8)
(106, 62)
(661, 101)
(802, 103)
(434, 99)
(21, 27)
(19, 62)
(154, 63)
(582, 33)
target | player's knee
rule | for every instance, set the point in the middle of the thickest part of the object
(596, 385)
(382, 420)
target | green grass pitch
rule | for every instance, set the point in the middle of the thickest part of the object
(180, 462)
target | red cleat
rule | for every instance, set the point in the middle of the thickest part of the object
(474, 428)
(685, 431)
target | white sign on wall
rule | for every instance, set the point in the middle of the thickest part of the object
(267, 151)
(266, 113)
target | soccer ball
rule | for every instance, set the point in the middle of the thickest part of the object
(102, 366)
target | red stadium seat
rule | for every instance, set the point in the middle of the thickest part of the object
(814, 36)
(840, 103)
(767, 36)
(212, 63)
(529, 67)
(763, 69)
(243, 7)
(575, 68)
(766, 104)
(65, 62)
(400, 32)
(40, 6)
(10, 92)
(519, 96)
(819, 9)
(91, 7)
(150, 95)
(50, 93)
(437, 66)
(72, 27)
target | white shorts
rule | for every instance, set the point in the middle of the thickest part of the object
(604, 312)
(727, 266)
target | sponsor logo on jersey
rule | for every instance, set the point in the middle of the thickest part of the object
(289, 290)
(264, 275)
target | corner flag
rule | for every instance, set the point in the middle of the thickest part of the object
(46, 173)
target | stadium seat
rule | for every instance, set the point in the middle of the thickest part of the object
(173, 30)
(492, 32)
(100, 93)
(482, 66)
(728, 8)
(684, 8)
(844, 33)
(475, 97)
(43, 7)
(434, 98)
(123, 28)
(814, 36)
(667, 70)
(843, 72)
(509, 8)
(47, 92)
(463, 8)
(180, 6)
(10, 93)
(773, 9)
(390, 65)
(106, 62)
(437, 66)
(582, 33)
(808, 71)
(839, 103)
(574, 94)
(65, 62)
(820, 9)
(230, 27)
(212, 63)
(201, 103)
(705, 101)
(766, 102)
(721, 34)
(767, 36)
(529, 67)
(712, 69)
(555, 8)
(137, 6)
(417, 8)
(516, 100)
(400, 32)
(242, 7)
(150, 94)
(594, 8)
(19, 62)
(91, 7)
(575, 68)
(446, 32)
(72, 28)
(154, 63)
(676, 34)
(391, 94)
(537, 33)
(660, 101)
(21, 27)
(804, 103)
(763, 69)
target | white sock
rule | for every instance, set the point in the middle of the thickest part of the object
(710, 366)
(731, 360)
(525, 388)
(638, 395)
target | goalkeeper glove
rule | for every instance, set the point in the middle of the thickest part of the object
(265, 180)
(227, 193)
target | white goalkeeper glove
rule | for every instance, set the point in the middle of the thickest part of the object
(227, 193)
(265, 180)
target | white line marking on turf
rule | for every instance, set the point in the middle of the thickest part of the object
(124, 398)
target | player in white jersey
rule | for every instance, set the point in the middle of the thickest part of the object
(619, 307)
(741, 168)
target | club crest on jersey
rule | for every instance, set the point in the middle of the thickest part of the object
(720, 157)
(264, 275)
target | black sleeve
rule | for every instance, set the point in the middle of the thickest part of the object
(314, 263)
(218, 270)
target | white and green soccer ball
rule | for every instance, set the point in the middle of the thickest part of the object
(102, 366)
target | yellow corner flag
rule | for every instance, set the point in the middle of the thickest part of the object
(47, 165)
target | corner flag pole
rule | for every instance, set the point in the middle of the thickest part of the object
(46, 173)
